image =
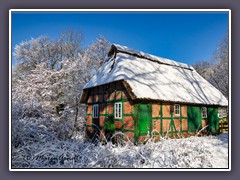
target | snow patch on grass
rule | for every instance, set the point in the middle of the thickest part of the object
(192, 152)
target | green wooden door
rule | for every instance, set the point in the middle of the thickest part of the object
(142, 114)
(213, 121)
(194, 118)
(144, 119)
(109, 127)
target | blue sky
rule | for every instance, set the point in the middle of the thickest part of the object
(182, 36)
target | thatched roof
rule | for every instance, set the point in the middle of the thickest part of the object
(152, 77)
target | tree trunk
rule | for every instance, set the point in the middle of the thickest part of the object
(76, 113)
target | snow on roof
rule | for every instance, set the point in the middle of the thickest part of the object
(168, 81)
(150, 57)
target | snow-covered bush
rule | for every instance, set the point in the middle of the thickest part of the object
(192, 152)
(47, 83)
(31, 130)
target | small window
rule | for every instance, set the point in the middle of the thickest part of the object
(220, 114)
(95, 111)
(177, 109)
(118, 110)
(204, 112)
(224, 112)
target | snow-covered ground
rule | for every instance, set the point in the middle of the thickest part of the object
(192, 152)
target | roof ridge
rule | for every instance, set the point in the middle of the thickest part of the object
(159, 60)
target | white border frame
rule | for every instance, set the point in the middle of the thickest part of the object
(119, 10)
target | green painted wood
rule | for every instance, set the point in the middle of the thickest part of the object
(135, 117)
(144, 118)
(213, 120)
(127, 114)
(128, 130)
(150, 115)
(194, 118)
(181, 118)
(161, 115)
(172, 127)
(169, 118)
(88, 125)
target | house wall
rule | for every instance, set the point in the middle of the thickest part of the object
(106, 96)
(189, 122)
(162, 120)
(166, 123)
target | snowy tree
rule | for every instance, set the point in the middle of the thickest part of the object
(70, 44)
(50, 76)
(202, 67)
(219, 75)
(95, 55)
(216, 70)
(52, 52)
